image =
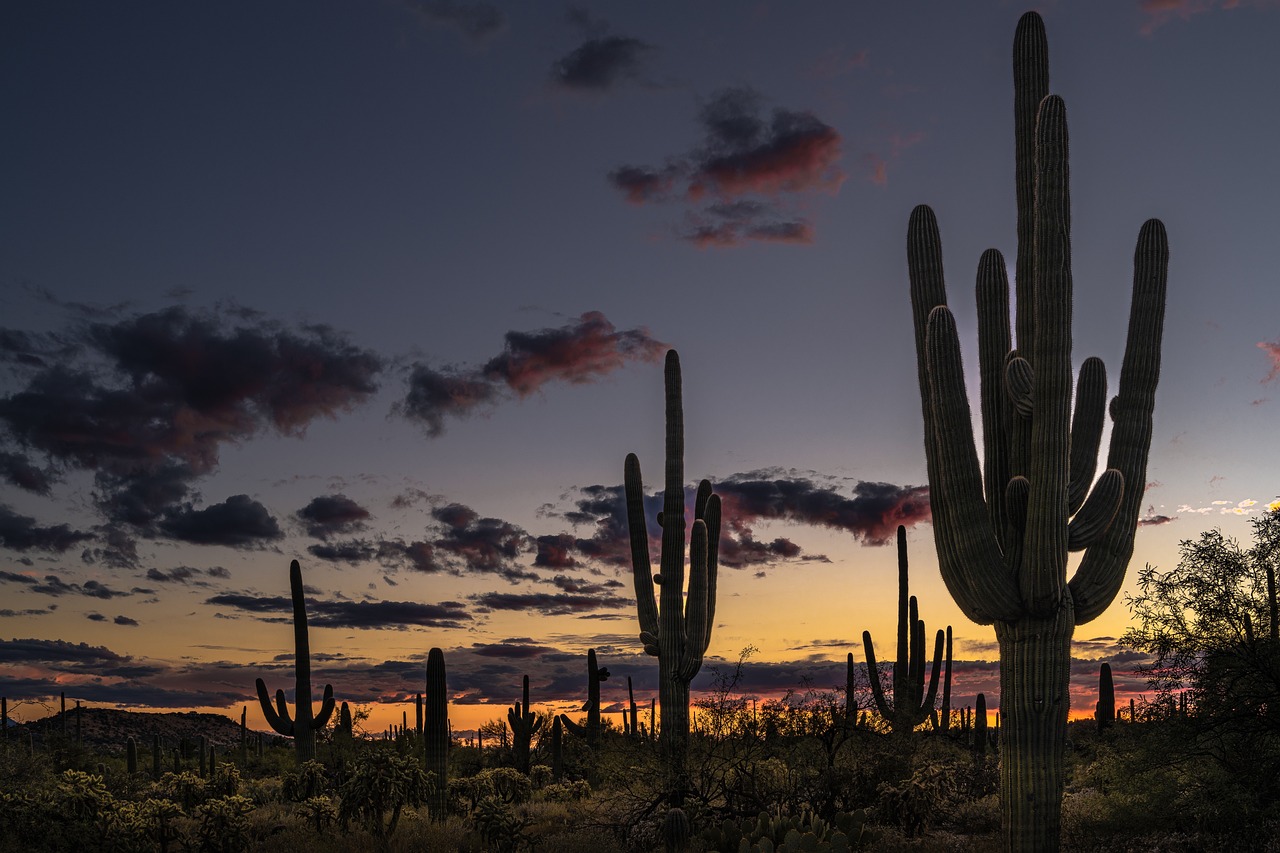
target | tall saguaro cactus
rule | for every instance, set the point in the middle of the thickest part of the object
(303, 725)
(1105, 710)
(595, 674)
(911, 704)
(675, 630)
(1003, 529)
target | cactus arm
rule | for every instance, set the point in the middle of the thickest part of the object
(994, 345)
(968, 554)
(1041, 581)
(1030, 86)
(326, 709)
(641, 567)
(926, 708)
(1086, 429)
(1091, 522)
(697, 629)
(711, 518)
(574, 728)
(279, 722)
(873, 675)
(1101, 571)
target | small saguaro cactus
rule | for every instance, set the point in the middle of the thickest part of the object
(524, 725)
(633, 711)
(435, 733)
(346, 726)
(1105, 710)
(675, 629)
(980, 724)
(302, 727)
(244, 736)
(131, 755)
(595, 674)
(911, 704)
(1004, 528)
(557, 750)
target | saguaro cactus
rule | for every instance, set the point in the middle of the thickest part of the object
(131, 756)
(524, 725)
(302, 727)
(1003, 543)
(435, 733)
(1105, 710)
(675, 630)
(911, 704)
(595, 674)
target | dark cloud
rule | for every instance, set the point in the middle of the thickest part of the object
(331, 515)
(579, 586)
(433, 395)
(9, 614)
(237, 522)
(748, 167)
(511, 649)
(577, 353)
(17, 470)
(555, 551)
(22, 651)
(488, 545)
(872, 515)
(95, 617)
(55, 586)
(23, 533)
(550, 604)
(475, 20)
(395, 615)
(126, 621)
(186, 575)
(1155, 520)
(147, 402)
(599, 63)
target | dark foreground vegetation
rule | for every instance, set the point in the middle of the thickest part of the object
(793, 772)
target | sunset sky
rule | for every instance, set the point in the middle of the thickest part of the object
(384, 286)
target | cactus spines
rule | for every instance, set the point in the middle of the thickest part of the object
(524, 725)
(435, 733)
(675, 630)
(911, 704)
(1105, 710)
(1003, 529)
(131, 756)
(303, 725)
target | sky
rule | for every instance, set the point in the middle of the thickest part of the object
(386, 286)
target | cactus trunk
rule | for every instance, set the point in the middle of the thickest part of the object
(435, 733)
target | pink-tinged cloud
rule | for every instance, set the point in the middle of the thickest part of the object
(1273, 352)
(737, 223)
(800, 155)
(878, 164)
(577, 353)
(1160, 12)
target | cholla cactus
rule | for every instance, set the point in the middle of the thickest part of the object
(302, 727)
(1003, 529)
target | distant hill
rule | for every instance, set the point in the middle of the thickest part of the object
(107, 729)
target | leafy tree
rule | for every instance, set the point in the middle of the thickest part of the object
(1211, 628)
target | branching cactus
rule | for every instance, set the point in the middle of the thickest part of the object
(524, 725)
(435, 733)
(1003, 529)
(675, 630)
(911, 704)
(595, 674)
(1105, 710)
(302, 727)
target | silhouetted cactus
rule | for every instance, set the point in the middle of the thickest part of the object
(944, 725)
(131, 756)
(557, 750)
(595, 674)
(524, 725)
(302, 727)
(244, 736)
(979, 742)
(346, 726)
(911, 704)
(435, 733)
(674, 629)
(632, 711)
(1105, 710)
(418, 708)
(1003, 554)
